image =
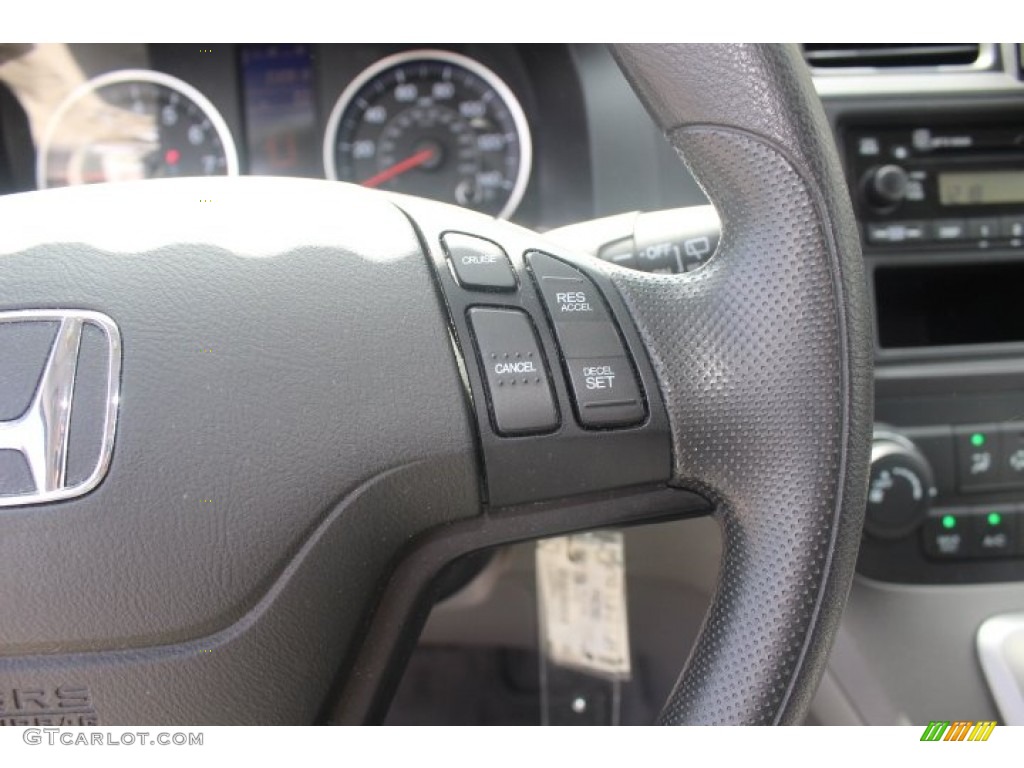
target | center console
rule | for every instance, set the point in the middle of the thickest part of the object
(939, 195)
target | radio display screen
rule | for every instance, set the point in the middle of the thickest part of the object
(981, 187)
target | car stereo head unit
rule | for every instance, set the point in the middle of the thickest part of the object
(921, 185)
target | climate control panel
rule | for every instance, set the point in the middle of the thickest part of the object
(945, 504)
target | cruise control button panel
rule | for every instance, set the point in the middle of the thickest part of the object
(517, 379)
(562, 396)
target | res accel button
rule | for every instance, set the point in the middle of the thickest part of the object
(514, 370)
(582, 324)
(479, 263)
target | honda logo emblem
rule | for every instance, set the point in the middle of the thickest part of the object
(42, 433)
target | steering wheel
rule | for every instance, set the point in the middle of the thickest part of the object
(250, 426)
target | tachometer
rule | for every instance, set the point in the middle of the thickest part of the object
(434, 124)
(134, 124)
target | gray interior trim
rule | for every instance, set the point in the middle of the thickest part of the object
(1001, 652)
(919, 643)
(990, 73)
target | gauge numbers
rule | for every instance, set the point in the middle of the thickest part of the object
(434, 124)
(134, 124)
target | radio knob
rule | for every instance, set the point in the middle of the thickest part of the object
(886, 186)
(900, 488)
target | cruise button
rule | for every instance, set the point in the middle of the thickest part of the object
(479, 263)
(606, 391)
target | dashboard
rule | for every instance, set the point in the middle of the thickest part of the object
(932, 140)
(496, 128)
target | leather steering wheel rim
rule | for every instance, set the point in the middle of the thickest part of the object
(283, 492)
(784, 307)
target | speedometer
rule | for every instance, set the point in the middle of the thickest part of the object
(134, 124)
(434, 124)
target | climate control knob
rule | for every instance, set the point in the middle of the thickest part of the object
(886, 186)
(900, 488)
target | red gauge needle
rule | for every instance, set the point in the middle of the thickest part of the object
(413, 161)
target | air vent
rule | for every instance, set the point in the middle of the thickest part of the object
(891, 55)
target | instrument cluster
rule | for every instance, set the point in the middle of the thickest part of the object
(456, 125)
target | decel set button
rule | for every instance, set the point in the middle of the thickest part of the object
(603, 383)
(606, 391)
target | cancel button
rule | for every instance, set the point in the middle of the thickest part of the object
(605, 391)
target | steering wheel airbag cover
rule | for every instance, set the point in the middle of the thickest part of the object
(291, 416)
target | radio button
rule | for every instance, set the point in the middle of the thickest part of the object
(868, 146)
(897, 232)
(949, 229)
(983, 229)
(1012, 226)
(886, 187)
(915, 191)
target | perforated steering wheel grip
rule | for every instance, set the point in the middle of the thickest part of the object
(765, 361)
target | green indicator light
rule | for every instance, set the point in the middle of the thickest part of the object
(977, 439)
(948, 521)
(994, 518)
